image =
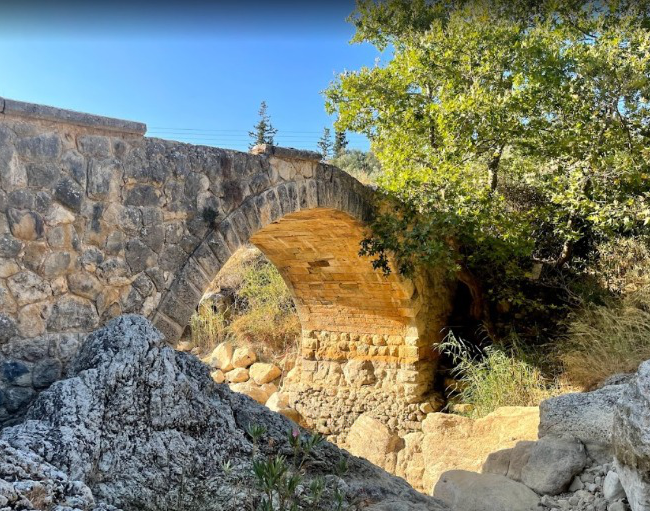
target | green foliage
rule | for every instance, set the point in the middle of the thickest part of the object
(363, 166)
(508, 132)
(325, 144)
(496, 376)
(340, 143)
(263, 132)
(280, 478)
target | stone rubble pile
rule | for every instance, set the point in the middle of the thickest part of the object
(239, 368)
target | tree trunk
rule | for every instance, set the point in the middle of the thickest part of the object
(493, 169)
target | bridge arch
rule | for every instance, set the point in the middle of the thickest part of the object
(97, 220)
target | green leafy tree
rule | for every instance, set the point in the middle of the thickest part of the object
(509, 132)
(325, 144)
(364, 166)
(263, 132)
(340, 143)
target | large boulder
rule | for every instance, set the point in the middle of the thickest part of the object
(587, 416)
(142, 427)
(369, 438)
(547, 466)
(455, 442)
(631, 439)
(469, 491)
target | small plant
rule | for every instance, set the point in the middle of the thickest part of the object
(496, 376)
(282, 481)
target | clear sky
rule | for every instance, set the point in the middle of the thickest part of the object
(191, 71)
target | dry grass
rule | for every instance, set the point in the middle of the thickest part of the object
(262, 316)
(607, 339)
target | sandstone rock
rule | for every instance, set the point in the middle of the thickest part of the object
(359, 372)
(455, 442)
(27, 287)
(264, 373)
(588, 416)
(84, 284)
(217, 376)
(251, 390)
(277, 401)
(130, 402)
(369, 438)
(630, 439)
(552, 464)
(237, 375)
(243, 357)
(469, 491)
(221, 357)
(184, 346)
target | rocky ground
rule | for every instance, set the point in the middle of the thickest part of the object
(140, 426)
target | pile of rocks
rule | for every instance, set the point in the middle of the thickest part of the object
(238, 367)
(575, 465)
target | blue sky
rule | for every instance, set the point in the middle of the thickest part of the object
(191, 71)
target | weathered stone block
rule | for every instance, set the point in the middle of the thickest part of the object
(72, 313)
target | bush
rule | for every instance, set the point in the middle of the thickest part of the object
(496, 376)
(608, 339)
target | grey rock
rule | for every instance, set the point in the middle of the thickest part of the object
(68, 193)
(94, 145)
(75, 165)
(7, 328)
(15, 373)
(72, 313)
(42, 174)
(630, 439)
(46, 146)
(139, 256)
(9, 246)
(553, 463)
(46, 372)
(469, 491)
(612, 488)
(142, 427)
(588, 416)
(143, 195)
(17, 398)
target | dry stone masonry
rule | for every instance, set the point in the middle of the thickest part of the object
(97, 220)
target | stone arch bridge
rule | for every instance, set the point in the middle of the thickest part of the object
(97, 220)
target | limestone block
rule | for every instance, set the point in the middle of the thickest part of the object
(217, 375)
(359, 372)
(84, 284)
(31, 322)
(27, 287)
(470, 491)
(262, 373)
(8, 267)
(371, 439)
(221, 357)
(249, 388)
(243, 357)
(456, 442)
(237, 375)
(277, 401)
(553, 463)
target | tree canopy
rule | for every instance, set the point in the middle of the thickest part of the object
(509, 131)
(263, 132)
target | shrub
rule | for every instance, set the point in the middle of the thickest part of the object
(496, 376)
